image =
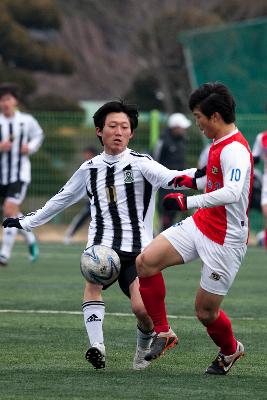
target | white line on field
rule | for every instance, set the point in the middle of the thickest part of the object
(189, 317)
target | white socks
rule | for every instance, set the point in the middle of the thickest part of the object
(8, 240)
(94, 312)
(144, 339)
(29, 236)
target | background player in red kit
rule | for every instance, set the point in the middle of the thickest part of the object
(217, 233)
(259, 151)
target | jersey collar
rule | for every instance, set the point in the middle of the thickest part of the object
(226, 137)
(112, 159)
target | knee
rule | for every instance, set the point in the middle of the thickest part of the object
(206, 316)
(10, 210)
(141, 266)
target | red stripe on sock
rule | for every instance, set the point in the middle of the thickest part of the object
(221, 333)
(153, 292)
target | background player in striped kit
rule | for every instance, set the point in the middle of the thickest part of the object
(217, 233)
(259, 151)
(121, 185)
(20, 136)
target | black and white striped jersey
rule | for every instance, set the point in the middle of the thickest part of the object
(21, 129)
(121, 190)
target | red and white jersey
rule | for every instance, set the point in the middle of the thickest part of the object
(260, 148)
(223, 209)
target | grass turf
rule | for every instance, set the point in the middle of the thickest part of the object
(42, 355)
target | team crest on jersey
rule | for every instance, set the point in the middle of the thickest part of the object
(214, 170)
(128, 176)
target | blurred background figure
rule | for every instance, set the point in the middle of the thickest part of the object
(84, 215)
(20, 136)
(260, 153)
(171, 152)
(203, 156)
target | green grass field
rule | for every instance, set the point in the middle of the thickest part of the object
(42, 353)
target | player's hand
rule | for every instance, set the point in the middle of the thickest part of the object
(183, 180)
(175, 201)
(12, 223)
(5, 146)
(24, 149)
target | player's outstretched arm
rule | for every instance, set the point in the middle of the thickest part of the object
(160, 176)
(72, 191)
(188, 181)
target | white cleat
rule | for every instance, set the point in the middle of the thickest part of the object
(139, 361)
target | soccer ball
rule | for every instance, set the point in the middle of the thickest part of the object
(100, 264)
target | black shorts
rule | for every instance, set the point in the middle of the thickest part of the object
(15, 191)
(127, 273)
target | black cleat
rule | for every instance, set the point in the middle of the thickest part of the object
(160, 343)
(96, 355)
(222, 364)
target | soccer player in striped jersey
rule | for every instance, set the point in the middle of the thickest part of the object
(121, 185)
(20, 136)
(217, 233)
(259, 151)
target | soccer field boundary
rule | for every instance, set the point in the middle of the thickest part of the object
(114, 314)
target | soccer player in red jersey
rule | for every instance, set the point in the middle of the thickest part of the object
(217, 233)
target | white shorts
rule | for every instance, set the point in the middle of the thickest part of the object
(220, 263)
(264, 190)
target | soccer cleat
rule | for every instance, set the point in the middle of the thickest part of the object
(3, 261)
(160, 343)
(139, 361)
(34, 251)
(222, 364)
(96, 355)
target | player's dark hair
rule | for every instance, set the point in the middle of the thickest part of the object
(10, 88)
(115, 107)
(214, 97)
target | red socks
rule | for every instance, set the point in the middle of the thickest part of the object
(221, 333)
(265, 238)
(153, 292)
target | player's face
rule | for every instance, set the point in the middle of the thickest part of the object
(8, 104)
(116, 133)
(205, 124)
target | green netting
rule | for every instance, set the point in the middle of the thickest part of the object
(234, 54)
